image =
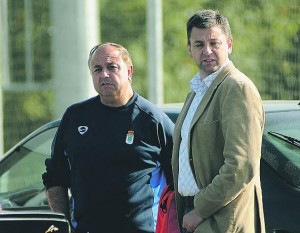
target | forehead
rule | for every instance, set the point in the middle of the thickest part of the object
(210, 33)
(106, 54)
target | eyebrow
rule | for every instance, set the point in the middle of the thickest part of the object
(106, 64)
(202, 41)
(198, 41)
(96, 66)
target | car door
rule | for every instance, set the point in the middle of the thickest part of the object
(21, 169)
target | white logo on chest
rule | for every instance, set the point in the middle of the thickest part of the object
(82, 129)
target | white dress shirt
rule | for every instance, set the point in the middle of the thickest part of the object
(186, 182)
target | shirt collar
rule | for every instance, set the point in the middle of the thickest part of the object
(198, 85)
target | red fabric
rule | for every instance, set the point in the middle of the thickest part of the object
(167, 217)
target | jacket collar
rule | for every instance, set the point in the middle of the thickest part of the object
(207, 97)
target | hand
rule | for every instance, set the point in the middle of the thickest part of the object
(191, 220)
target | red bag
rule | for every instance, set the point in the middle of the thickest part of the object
(167, 217)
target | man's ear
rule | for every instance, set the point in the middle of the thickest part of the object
(189, 49)
(230, 43)
(130, 73)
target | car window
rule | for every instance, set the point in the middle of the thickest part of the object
(20, 173)
(279, 153)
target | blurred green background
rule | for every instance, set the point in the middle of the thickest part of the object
(266, 48)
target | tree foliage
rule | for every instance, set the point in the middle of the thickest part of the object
(266, 42)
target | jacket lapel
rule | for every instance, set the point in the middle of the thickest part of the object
(210, 93)
(177, 133)
(203, 105)
(182, 115)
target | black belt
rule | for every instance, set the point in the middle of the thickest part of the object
(188, 201)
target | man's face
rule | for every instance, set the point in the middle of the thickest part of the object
(209, 48)
(111, 75)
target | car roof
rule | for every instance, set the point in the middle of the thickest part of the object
(281, 105)
(174, 108)
(269, 106)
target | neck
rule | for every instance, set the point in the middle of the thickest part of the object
(116, 101)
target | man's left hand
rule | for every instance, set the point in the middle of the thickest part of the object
(191, 220)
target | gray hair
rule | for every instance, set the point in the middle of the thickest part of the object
(124, 53)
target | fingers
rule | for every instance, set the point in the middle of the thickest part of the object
(191, 221)
(190, 226)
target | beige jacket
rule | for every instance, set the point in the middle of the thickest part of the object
(225, 150)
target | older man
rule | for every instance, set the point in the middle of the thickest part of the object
(113, 151)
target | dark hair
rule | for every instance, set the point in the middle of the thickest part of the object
(124, 53)
(207, 19)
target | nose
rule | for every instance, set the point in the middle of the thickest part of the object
(207, 49)
(104, 74)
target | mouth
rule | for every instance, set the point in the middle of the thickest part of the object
(208, 60)
(105, 84)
